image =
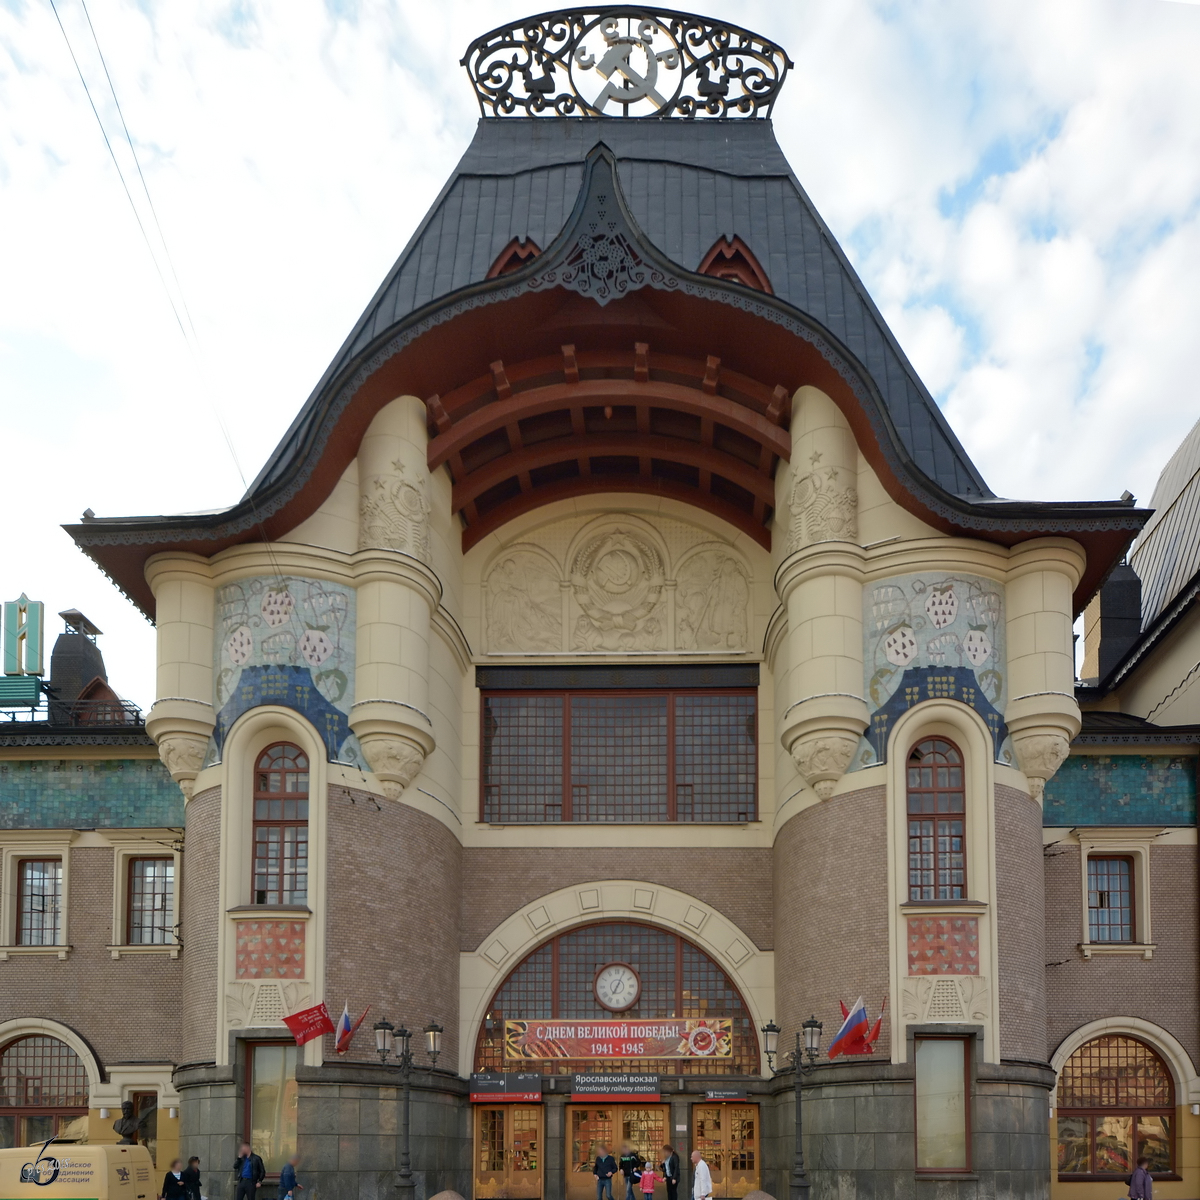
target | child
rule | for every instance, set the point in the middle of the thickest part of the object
(649, 1177)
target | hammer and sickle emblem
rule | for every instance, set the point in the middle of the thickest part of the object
(625, 83)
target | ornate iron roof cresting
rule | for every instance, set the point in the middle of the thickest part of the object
(624, 61)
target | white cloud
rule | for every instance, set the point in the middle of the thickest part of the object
(1018, 183)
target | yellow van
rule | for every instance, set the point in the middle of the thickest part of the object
(63, 1171)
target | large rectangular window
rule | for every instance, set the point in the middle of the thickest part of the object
(619, 755)
(1110, 899)
(150, 919)
(39, 901)
(271, 1107)
(943, 1105)
(281, 826)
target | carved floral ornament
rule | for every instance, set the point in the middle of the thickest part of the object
(624, 61)
(620, 592)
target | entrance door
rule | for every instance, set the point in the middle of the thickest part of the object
(642, 1126)
(145, 1109)
(508, 1151)
(727, 1136)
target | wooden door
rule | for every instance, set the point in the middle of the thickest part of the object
(508, 1151)
(642, 1126)
(727, 1135)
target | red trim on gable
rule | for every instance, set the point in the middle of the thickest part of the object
(732, 259)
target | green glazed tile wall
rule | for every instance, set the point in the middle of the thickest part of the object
(1122, 789)
(118, 793)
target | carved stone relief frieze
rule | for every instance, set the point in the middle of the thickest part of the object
(823, 506)
(257, 1004)
(947, 999)
(712, 602)
(523, 604)
(618, 578)
(394, 513)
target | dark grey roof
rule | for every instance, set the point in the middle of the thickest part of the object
(1105, 728)
(687, 183)
(1166, 554)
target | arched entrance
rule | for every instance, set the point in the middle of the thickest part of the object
(43, 1092)
(601, 976)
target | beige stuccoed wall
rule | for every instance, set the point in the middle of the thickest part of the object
(1160, 688)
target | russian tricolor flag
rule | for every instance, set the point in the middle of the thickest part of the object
(347, 1029)
(853, 1033)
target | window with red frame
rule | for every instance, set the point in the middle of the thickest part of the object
(937, 852)
(281, 826)
(43, 1092)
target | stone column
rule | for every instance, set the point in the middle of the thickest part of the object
(1042, 715)
(397, 596)
(820, 585)
(182, 717)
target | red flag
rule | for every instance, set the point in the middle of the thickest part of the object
(309, 1023)
(346, 1036)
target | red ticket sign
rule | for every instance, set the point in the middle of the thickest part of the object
(710, 1037)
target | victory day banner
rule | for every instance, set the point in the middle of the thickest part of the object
(665, 1038)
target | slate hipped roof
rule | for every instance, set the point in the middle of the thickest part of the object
(687, 183)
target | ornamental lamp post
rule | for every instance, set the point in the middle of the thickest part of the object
(390, 1040)
(803, 1059)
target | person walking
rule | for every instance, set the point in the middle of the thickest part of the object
(630, 1163)
(173, 1187)
(1141, 1185)
(287, 1179)
(191, 1178)
(701, 1178)
(604, 1170)
(248, 1174)
(670, 1170)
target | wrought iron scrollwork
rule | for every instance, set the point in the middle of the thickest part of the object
(624, 61)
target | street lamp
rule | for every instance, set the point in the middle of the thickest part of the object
(803, 1059)
(390, 1040)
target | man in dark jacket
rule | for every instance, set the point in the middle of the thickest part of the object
(287, 1179)
(248, 1173)
(604, 1170)
(671, 1172)
(631, 1163)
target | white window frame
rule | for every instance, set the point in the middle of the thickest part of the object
(19, 844)
(141, 843)
(1112, 843)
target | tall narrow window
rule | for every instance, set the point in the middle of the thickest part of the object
(937, 853)
(281, 826)
(943, 1105)
(271, 1113)
(151, 901)
(1110, 899)
(39, 901)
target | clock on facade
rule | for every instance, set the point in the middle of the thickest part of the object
(617, 986)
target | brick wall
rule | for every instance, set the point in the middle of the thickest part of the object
(201, 923)
(497, 882)
(831, 932)
(393, 898)
(1020, 919)
(126, 1008)
(1163, 990)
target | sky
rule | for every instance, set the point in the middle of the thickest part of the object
(1017, 182)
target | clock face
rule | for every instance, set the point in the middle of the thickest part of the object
(617, 986)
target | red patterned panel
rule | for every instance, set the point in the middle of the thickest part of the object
(270, 949)
(943, 945)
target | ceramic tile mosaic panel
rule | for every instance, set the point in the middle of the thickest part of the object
(127, 793)
(932, 636)
(1122, 789)
(269, 949)
(943, 945)
(287, 641)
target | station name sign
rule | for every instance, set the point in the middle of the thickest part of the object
(510, 1088)
(607, 1088)
(666, 1038)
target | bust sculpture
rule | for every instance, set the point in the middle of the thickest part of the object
(126, 1126)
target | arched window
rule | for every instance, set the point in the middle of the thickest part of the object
(1116, 1102)
(281, 826)
(43, 1092)
(937, 851)
(675, 979)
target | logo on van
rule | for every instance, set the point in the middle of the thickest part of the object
(123, 1174)
(43, 1170)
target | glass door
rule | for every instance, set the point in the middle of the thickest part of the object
(641, 1126)
(508, 1152)
(727, 1136)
